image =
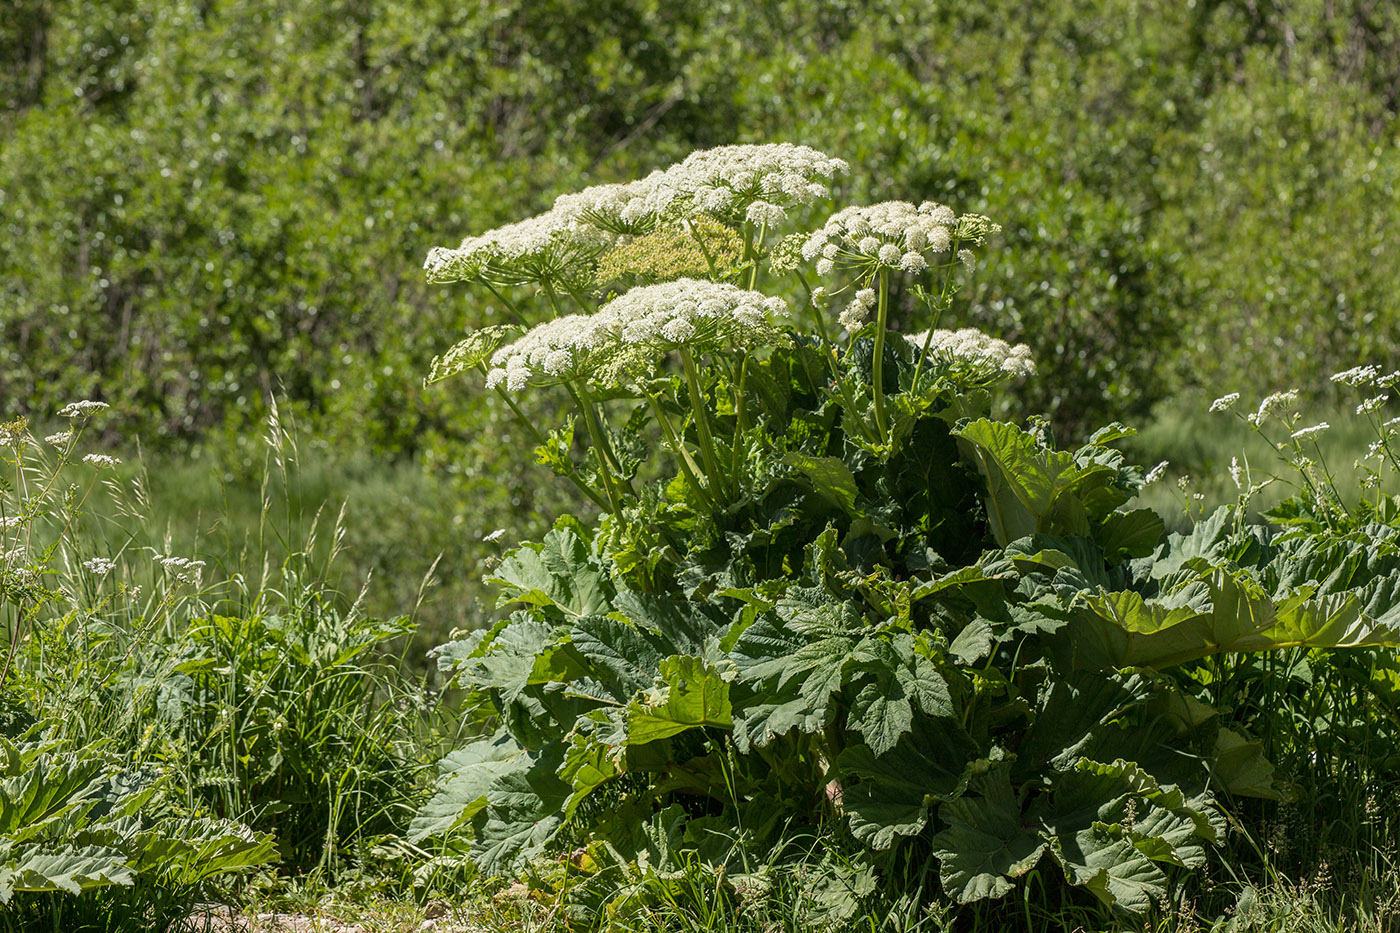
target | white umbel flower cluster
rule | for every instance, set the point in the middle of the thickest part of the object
(683, 313)
(689, 311)
(547, 354)
(894, 234)
(81, 409)
(546, 248)
(858, 311)
(758, 183)
(974, 355)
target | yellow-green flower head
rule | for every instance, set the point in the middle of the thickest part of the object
(974, 358)
(692, 313)
(891, 234)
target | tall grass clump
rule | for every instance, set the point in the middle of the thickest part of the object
(830, 595)
(171, 719)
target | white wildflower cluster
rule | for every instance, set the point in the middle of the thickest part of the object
(81, 409)
(545, 248)
(60, 439)
(548, 352)
(13, 435)
(895, 234)
(1309, 432)
(757, 183)
(185, 569)
(101, 461)
(1371, 404)
(1225, 402)
(1155, 473)
(1236, 471)
(685, 312)
(1358, 375)
(1276, 402)
(690, 310)
(858, 311)
(971, 353)
(11, 521)
(99, 566)
(760, 181)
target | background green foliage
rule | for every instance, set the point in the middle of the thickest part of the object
(205, 202)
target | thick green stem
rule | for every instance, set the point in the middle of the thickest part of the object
(878, 369)
(704, 250)
(702, 424)
(514, 311)
(598, 439)
(688, 466)
(541, 440)
(739, 412)
(937, 313)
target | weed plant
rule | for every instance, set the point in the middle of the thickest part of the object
(854, 607)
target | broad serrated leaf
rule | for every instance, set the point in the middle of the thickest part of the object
(894, 791)
(68, 869)
(986, 844)
(688, 693)
(560, 572)
(467, 775)
(525, 808)
(187, 853)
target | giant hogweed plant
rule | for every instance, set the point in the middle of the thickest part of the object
(826, 591)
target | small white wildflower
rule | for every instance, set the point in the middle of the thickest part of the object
(975, 357)
(1371, 404)
(831, 251)
(10, 521)
(869, 245)
(969, 261)
(1235, 471)
(1315, 429)
(1224, 402)
(60, 439)
(824, 267)
(185, 569)
(891, 255)
(1155, 473)
(99, 566)
(1391, 423)
(1357, 375)
(101, 461)
(81, 409)
(913, 262)
(1389, 380)
(1375, 449)
(1273, 403)
(818, 296)
(496, 535)
(12, 436)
